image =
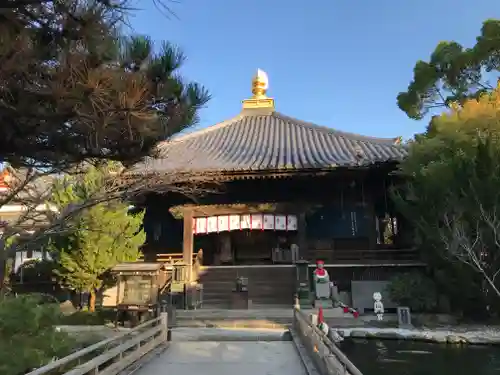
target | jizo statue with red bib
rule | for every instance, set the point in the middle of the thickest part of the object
(321, 281)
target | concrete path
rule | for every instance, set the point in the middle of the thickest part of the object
(231, 358)
(222, 351)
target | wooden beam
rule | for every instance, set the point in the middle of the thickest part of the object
(372, 231)
(188, 238)
(302, 236)
(278, 208)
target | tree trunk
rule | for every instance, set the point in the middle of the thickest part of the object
(92, 300)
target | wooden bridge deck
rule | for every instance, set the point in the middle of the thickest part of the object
(221, 358)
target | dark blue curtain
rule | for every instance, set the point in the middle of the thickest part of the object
(333, 222)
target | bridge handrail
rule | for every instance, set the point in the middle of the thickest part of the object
(328, 358)
(143, 341)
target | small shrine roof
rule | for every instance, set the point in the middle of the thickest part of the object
(262, 139)
(137, 267)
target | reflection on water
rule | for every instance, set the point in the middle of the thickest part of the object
(390, 357)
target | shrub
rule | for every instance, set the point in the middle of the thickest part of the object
(87, 318)
(27, 336)
(415, 290)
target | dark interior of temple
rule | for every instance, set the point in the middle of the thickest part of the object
(245, 247)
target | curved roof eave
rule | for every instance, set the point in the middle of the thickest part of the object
(253, 141)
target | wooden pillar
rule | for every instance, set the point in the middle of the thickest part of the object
(372, 230)
(302, 236)
(188, 241)
(149, 255)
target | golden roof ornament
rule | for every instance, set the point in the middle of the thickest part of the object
(260, 84)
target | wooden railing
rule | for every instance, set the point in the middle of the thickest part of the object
(178, 258)
(326, 356)
(364, 255)
(111, 356)
(172, 258)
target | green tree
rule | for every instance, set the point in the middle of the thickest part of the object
(452, 198)
(97, 239)
(454, 73)
(413, 289)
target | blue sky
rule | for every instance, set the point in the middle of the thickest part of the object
(337, 63)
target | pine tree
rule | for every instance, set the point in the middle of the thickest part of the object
(98, 238)
(74, 88)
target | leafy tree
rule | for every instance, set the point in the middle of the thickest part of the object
(415, 290)
(454, 73)
(75, 89)
(453, 200)
(99, 237)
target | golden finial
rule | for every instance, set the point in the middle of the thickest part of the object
(260, 84)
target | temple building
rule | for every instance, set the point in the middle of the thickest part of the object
(286, 190)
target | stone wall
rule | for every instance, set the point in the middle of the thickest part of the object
(362, 295)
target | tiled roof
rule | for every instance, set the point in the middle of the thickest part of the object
(255, 141)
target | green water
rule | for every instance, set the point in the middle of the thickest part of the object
(391, 357)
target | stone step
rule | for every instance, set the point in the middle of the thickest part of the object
(252, 294)
(227, 302)
(244, 323)
(230, 286)
(251, 289)
(267, 285)
(289, 298)
(256, 274)
(250, 281)
(263, 277)
(278, 283)
(256, 300)
(256, 318)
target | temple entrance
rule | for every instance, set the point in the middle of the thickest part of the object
(247, 239)
(247, 247)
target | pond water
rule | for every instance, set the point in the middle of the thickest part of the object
(391, 357)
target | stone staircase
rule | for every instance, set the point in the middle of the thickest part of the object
(265, 317)
(267, 285)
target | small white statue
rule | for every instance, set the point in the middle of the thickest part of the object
(378, 306)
